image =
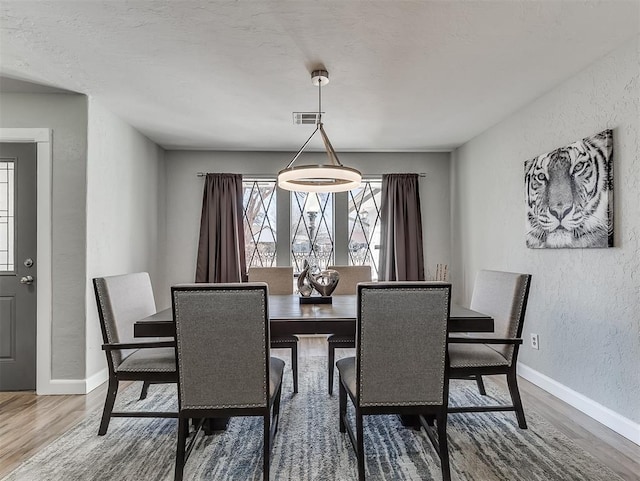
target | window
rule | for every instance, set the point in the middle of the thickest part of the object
(311, 229)
(324, 228)
(259, 215)
(6, 216)
(364, 226)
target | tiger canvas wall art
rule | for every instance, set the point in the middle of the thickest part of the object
(569, 195)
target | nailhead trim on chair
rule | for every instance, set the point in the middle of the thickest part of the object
(146, 370)
(520, 321)
(363, 299)
(265, 386)
(477, 364)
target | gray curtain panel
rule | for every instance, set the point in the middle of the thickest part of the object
(221, 256)
(401, 257)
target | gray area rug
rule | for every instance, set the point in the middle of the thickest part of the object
(309, 447)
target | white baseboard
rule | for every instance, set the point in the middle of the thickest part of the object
(96, 380)
(73, 386)
(600, 413)
(63, 386)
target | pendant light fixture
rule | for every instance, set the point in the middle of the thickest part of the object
(330, 177)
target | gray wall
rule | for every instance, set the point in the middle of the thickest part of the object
(585, 303)
(67, 115)
(107, 214)
(184, 197)
(125, 175)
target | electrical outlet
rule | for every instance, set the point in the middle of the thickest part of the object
(535, 342)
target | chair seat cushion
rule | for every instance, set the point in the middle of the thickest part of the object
(283, 339)
(474, 355)
(347, 369)
(276, 369)
(157, 359)
(347, 340)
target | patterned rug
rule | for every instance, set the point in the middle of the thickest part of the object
(309, 447)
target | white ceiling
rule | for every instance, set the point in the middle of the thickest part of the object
(407, 76)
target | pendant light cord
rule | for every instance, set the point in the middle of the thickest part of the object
(319, 102)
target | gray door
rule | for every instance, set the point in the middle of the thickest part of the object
(17, 267)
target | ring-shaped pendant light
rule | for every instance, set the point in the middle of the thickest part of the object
(331, 177)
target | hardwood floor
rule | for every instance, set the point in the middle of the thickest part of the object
(28, 422)
(604, 444)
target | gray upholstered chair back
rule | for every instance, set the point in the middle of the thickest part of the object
(279, 279)
(401, 343)
(222, 345)
(122, 300)
(350, 276)
(502, 295)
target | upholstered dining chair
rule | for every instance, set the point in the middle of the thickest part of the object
(280, 282)
(350, 276)
(502, 295)
(224, 362)
(121, 301)
(400, 362)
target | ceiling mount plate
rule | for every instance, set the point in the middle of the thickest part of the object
(319, 78)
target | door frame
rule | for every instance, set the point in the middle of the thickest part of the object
(41, 137)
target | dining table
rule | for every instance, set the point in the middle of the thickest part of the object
(288, 316)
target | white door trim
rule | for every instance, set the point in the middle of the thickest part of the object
(42, 137)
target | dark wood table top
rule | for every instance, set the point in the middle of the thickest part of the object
(288, 316)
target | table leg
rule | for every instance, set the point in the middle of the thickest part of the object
(214, 424)
(411, 421)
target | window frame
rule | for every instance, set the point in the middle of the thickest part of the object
(284, 229)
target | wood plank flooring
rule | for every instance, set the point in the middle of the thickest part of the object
(604, 444)
(28, 422)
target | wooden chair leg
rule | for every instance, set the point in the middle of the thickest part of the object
(267, 446)
(112, 390)
(185, 426)
(480, 384)
(276, 412)
(443, 444)
(180, 451)
(342, 393)
(331, 367)
(512, 382)
(360, 443)
(145, 390)
(294, 366)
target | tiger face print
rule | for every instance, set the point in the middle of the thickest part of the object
(569, 195)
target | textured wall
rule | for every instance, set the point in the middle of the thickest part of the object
(585, 303)
(184, 196)
(67, 116)
(124, 182)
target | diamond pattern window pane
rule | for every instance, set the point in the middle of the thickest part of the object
(259, 206)
(312, 236)
(7, 216)
(364, 225)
